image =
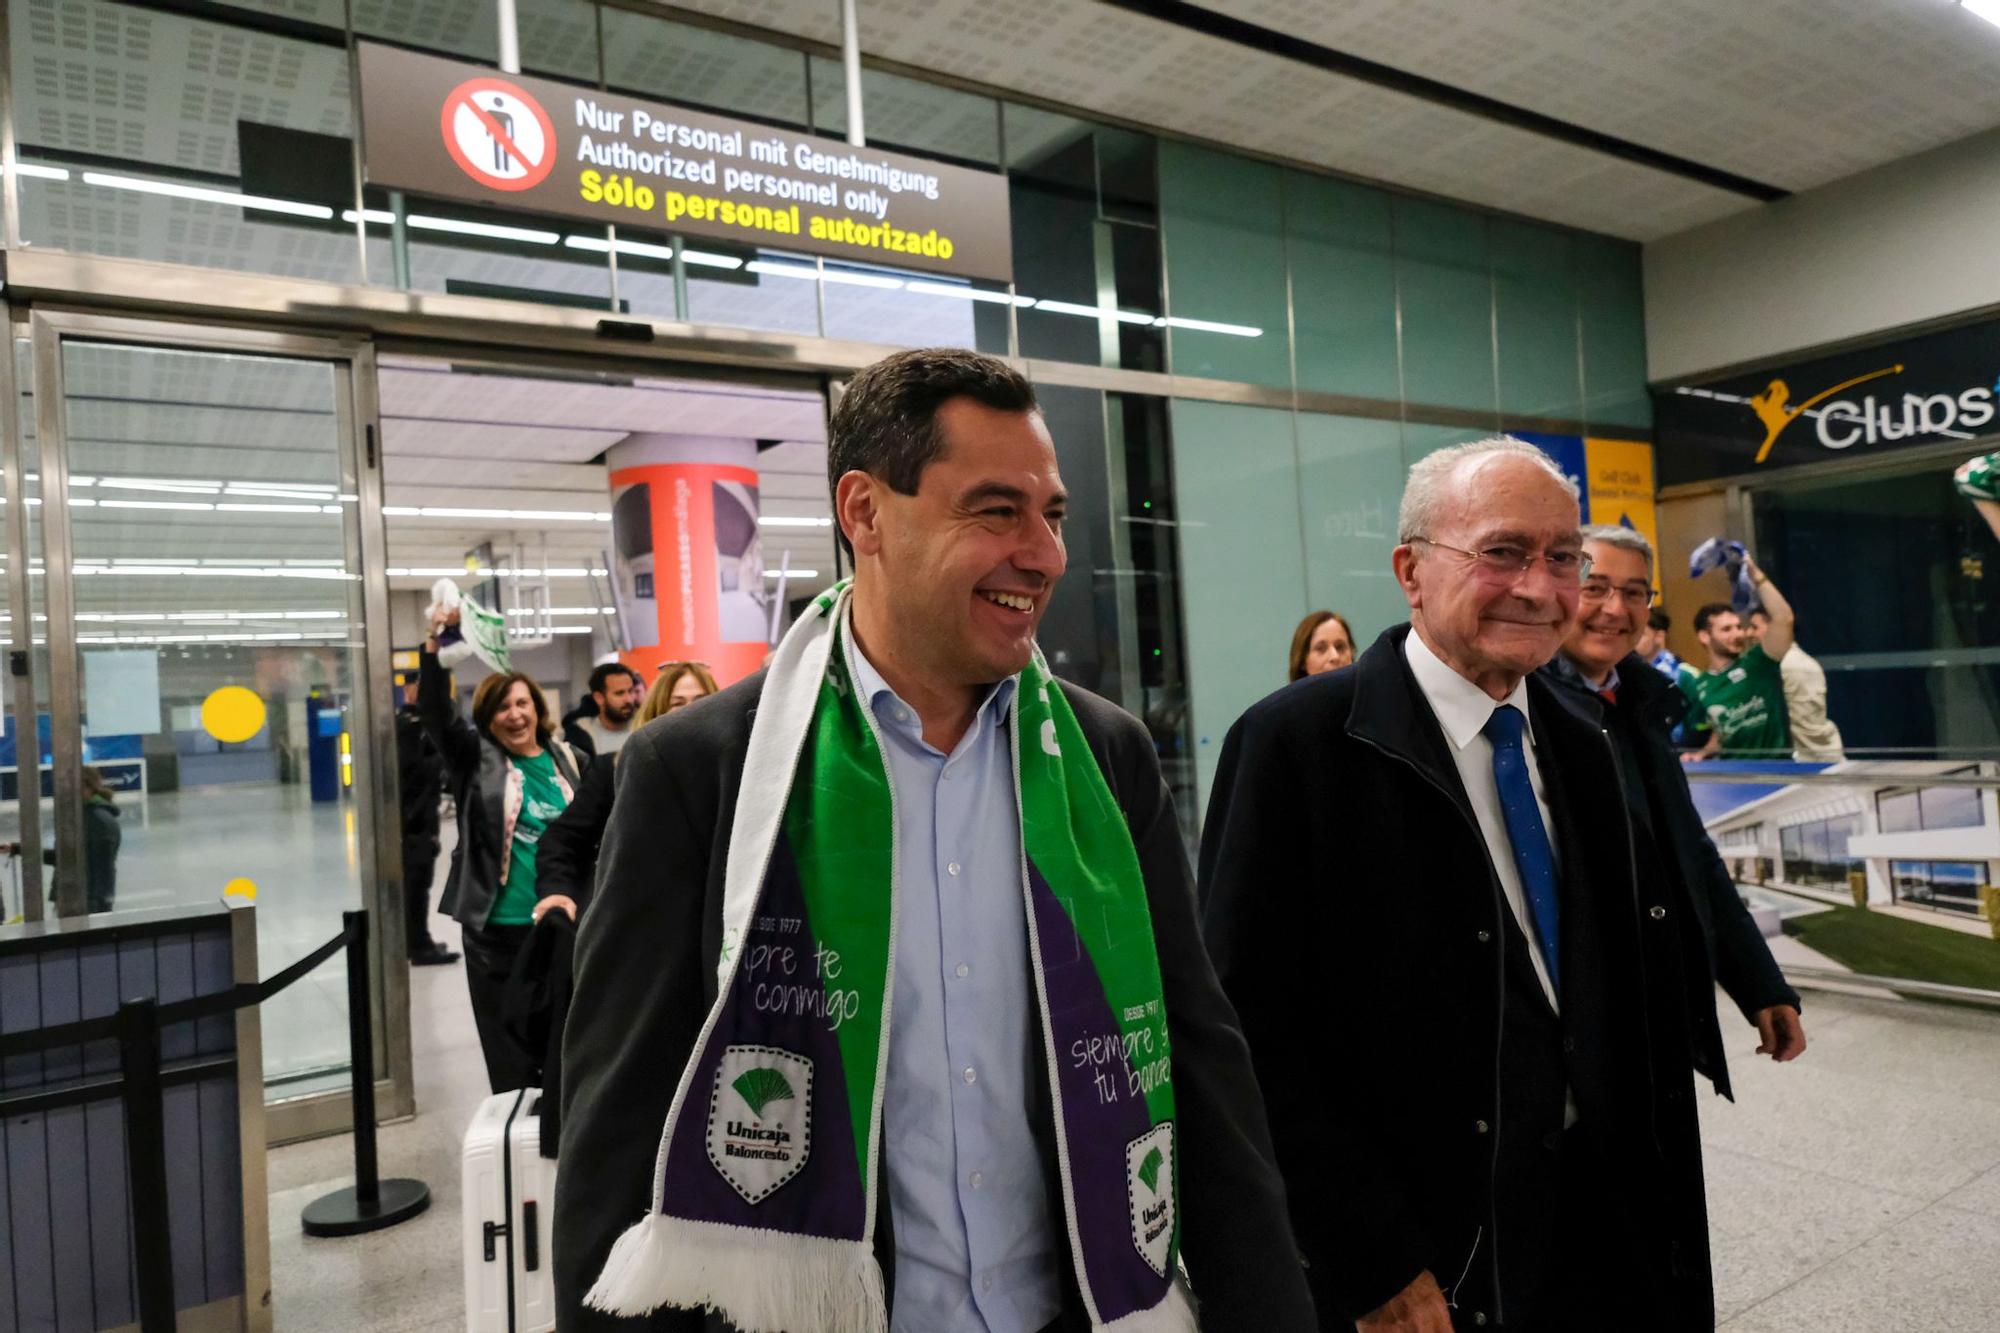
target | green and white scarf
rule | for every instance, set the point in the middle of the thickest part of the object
(766, 1188)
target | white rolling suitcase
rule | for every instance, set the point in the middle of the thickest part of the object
(510, 1191)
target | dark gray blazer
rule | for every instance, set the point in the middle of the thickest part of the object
(646, 961)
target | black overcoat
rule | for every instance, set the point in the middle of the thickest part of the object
(1357, 925)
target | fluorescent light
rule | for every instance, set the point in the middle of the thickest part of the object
(1211, 326)
(862, 279)
(787, 521)
(1096, 312)
(158, 484)
(381, 216)
(598, 245)
(528, 515)
(792, 573)
(563, 610)
(151, 504)
(1986, 9)
(770, 269)
(30, 169)
(203, 194)
(490, 230)
(451, 572)
(525, 630)
(707, 260)
(278, 509)
(923, 288)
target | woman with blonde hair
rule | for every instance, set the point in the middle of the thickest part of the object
(679, 685)
(568, 856)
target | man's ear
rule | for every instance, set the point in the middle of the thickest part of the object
(1403, 560)
(857, 507)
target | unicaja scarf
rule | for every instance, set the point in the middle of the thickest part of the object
(765, 1191)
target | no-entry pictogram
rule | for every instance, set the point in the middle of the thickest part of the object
(498, 134)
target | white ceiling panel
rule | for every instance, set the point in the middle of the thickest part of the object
(1791, 92)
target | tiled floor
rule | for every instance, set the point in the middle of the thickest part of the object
(1857, 1189)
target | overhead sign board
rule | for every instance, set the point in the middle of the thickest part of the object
(1932, 389)
(455, 131)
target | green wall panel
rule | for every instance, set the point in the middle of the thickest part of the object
(1223, 223)
(1340, 240)
(1242, 581)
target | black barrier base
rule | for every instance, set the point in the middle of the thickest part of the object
(343, 1213)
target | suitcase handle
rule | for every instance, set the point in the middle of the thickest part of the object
(531, 1248)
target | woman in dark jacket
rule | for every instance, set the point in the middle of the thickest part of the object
(568, 856)
(102, 835)
(511, 777)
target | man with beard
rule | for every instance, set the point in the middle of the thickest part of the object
(1420, 893)
(617, 691)
(1740, 699)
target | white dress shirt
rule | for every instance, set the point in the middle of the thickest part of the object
(1462, 709)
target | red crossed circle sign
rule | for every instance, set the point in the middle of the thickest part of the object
(498, 134)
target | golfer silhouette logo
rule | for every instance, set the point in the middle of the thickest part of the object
(1773, 408)
(498, 134)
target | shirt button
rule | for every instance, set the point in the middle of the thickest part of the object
(1479, 1126)
(976, 1179)
(1479, 1318)
(986, 1283)
(1658, 913)
(902, 715)
(970, 1075)
(951, 869)
(1485, 937)
(962, 971)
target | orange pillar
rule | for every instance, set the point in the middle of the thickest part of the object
(687, 564)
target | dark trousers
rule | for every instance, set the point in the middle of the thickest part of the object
(419, 868)
(489, 961)
(1584, 1284)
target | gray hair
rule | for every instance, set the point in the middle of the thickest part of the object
(1429, 486)
(1624, 538)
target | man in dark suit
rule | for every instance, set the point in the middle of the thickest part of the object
(948, 494)
(1420, 894)
(1696, 930)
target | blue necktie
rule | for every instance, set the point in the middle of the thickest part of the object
(1533, 857)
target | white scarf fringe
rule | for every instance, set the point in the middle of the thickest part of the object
(761, 1281)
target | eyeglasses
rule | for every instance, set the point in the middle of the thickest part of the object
(1638, 596)
(1510, 562)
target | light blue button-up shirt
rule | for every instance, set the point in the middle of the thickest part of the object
(975, 1235)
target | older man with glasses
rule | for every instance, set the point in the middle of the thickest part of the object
(1421, 894)
(1696, 929)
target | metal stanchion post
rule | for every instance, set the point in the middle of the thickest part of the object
(146, 1148)
(370, 1204)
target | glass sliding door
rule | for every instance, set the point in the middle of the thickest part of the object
(202, 504)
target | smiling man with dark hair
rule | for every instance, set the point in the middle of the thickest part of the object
(892, 1010)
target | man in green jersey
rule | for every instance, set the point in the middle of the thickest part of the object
(1742, 694)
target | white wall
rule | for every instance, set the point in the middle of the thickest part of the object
(1911, 241)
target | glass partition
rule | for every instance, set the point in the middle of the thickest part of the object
(210, 732)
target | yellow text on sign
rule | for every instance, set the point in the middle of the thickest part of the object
(232, 714)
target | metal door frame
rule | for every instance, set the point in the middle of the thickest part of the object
(378, 820)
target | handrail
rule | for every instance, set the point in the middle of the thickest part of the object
(1930, 990)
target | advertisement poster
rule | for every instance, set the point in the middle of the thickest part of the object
(688, 566)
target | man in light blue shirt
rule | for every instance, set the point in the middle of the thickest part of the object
(947, 491)
(975, 1237)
